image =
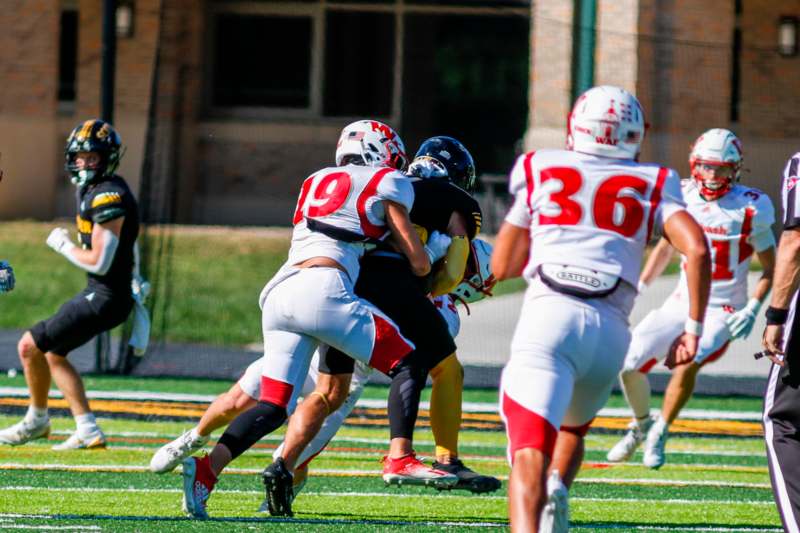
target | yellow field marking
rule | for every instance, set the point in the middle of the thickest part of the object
(485, 421)
(191, 410)
(717, 427)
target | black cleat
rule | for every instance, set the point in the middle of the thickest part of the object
(468, 479)
(278, 485)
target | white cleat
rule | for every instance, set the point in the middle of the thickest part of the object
(25, 431)
(94, 440)
(627, 445)
(654, 456)
(555, 513)
(198, 482)
(171, 454)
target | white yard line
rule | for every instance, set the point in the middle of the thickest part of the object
(392, 495)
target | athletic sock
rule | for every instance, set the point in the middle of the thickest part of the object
(636, 388)
(87, 424)
(36, 415)
(448, 383)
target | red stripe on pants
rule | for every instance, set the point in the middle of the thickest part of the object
(390, 347)
(648, 366)
(275, 392)
(526, 429)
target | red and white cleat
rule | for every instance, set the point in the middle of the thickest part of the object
(408, 470)
(198, 482)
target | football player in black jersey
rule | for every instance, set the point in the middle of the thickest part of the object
(108, 225)
(6, 272)
(443, 167)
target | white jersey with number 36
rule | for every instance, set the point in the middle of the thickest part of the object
(340, 208)
(735, 225)
(589, 211)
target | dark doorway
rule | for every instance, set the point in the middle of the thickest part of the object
(467, 76)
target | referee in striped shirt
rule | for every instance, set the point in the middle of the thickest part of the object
(781, 341)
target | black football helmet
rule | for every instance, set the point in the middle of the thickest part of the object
(92, 136)
(444, 157)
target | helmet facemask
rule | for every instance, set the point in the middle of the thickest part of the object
(444, 157)
(92, 136)
(83, 175)
(716, 162)
(427, 167)
(715, 179)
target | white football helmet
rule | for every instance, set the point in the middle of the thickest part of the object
(377, 144)
(716, 162)
(478, 278)
(606, 121)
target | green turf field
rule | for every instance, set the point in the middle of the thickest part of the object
(711, 482)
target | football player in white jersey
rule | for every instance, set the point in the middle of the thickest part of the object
(244, 394)
(576, 231)
(310, 301)
(737, 221)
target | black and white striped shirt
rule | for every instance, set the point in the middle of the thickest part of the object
(789, 194)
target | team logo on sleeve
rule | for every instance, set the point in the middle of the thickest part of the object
(106, 198)
(84, 226)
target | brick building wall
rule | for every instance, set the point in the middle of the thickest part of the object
(239, 168)
(29, 74)
(684, 73)
(677, 55)
(769, 107)
(551, 80)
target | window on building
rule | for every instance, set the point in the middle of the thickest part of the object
(458, 66)
(473, 3)
(359, 64)
(67, 55)
(261, 61)
(467, 76)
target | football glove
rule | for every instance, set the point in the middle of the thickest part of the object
(437, 245)
(59, 241)
(140, 287)
(6, 277)
(741, 322)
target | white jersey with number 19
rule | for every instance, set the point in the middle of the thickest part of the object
(340, 208)
(589, 211)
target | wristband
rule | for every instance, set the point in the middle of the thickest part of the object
(641, 286)
(775, 316)
(693, 327)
